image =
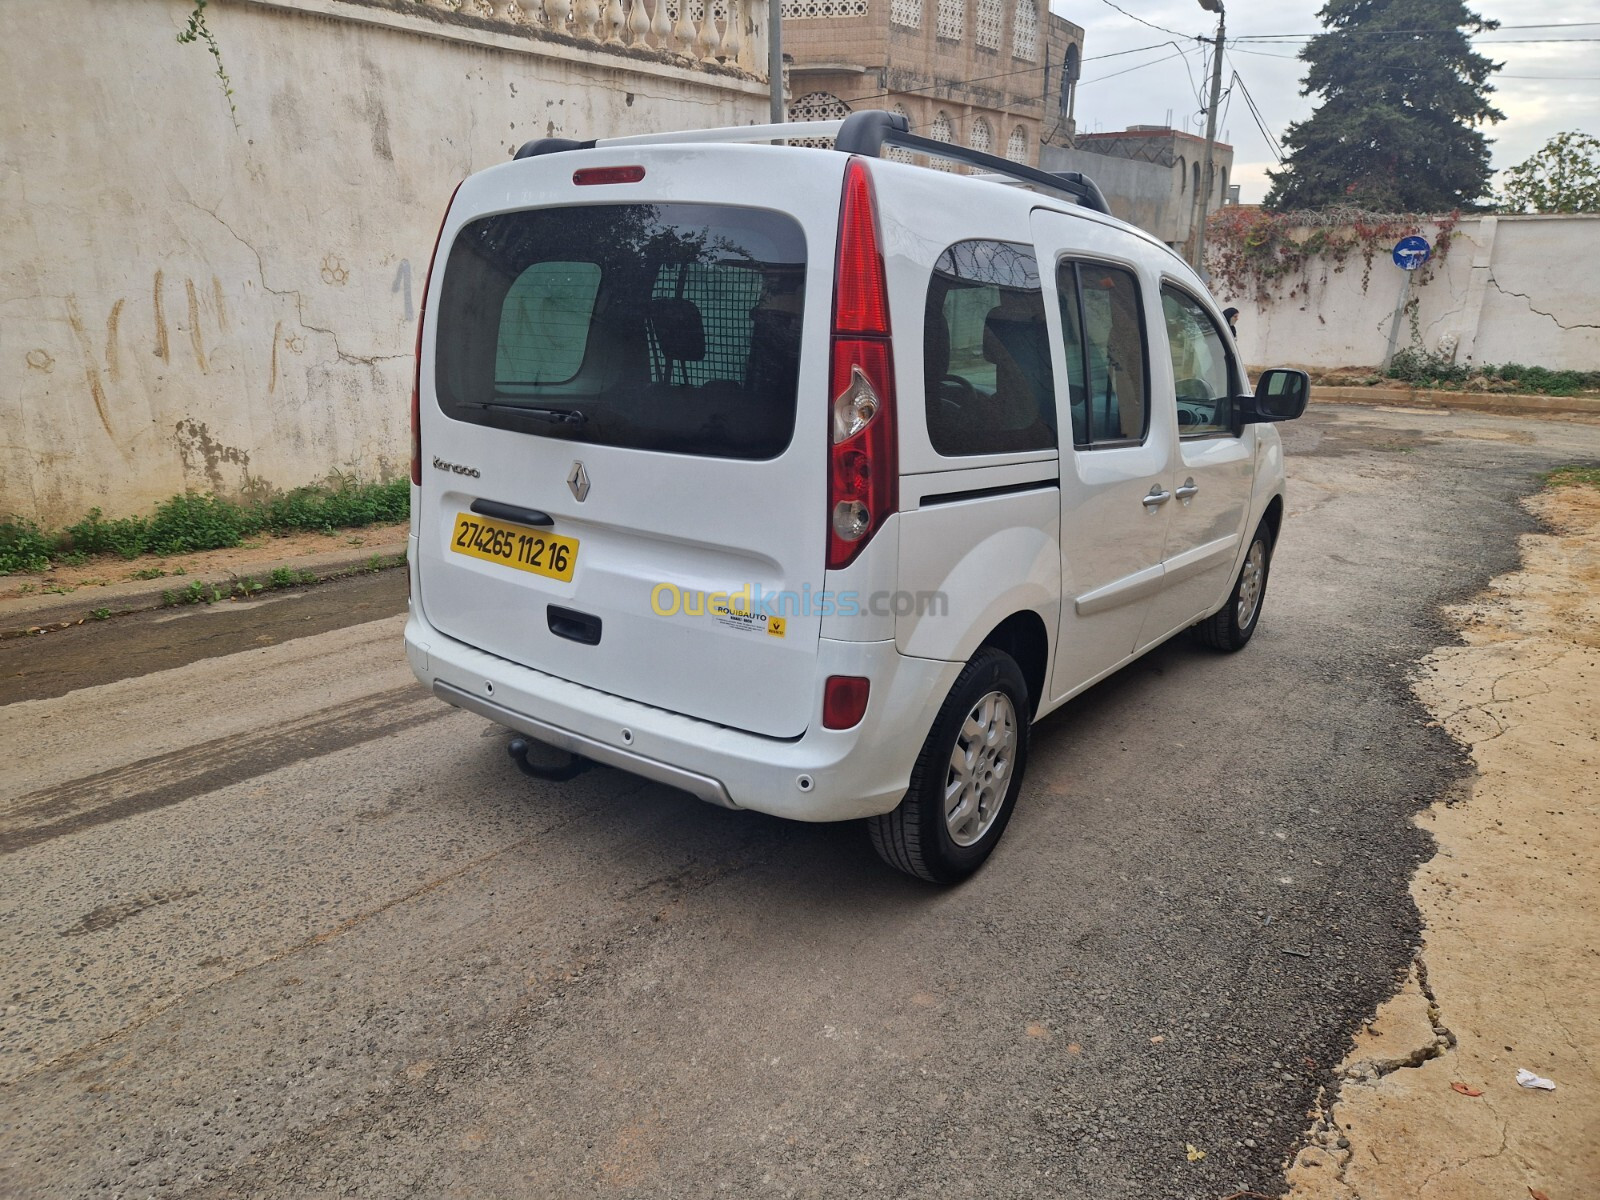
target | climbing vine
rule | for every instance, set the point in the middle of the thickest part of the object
(1259, 254)
(198, 31)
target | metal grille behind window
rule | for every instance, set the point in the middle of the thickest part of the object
(668, 327)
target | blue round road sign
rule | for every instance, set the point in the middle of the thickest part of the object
(1411, 252)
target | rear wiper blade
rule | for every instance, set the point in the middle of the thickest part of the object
(556, 416)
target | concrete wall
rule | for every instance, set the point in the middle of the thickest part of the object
(1154, 192)
(186, 304)
(1511, 289)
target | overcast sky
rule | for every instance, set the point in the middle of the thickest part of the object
(1544, 88)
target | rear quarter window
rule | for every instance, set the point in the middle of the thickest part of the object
(986, 352)
(671, 327)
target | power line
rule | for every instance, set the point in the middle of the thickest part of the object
(1152, 63)
(1151, 24)
(1256, 37)
(1250, 103)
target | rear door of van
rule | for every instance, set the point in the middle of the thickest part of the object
(1115, 493)
(624, 422)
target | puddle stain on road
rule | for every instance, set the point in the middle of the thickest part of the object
(208, 767)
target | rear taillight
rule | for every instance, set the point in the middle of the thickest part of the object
(416, 374)
(844, 701)
(863, 469)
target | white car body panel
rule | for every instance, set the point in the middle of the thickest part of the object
(1058, 538)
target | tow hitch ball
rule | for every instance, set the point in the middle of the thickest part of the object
(574, 765)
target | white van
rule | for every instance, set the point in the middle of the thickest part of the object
(805, 479)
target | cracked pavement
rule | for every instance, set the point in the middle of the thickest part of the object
(277, 923)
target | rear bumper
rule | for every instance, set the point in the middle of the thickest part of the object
(823, 775)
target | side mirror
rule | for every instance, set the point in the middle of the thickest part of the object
(1281, 395)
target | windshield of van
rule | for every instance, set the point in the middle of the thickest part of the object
(672, 327)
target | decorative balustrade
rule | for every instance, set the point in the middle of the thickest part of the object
(730, 32)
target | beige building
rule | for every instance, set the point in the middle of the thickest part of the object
(1149, 174)
(995, 75)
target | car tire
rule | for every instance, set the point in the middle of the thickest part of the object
(966, 779)
(1231, 626)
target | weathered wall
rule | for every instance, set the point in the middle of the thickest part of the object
(189, 305)
(1511, 289)
(1148, 180)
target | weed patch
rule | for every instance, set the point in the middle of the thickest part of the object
(23, 547)
(1569, 476)
(1422, 368)
(200, 521)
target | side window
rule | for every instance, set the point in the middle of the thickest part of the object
(986, 352)
(1108, 370)
(544, 323)
(1200, 366)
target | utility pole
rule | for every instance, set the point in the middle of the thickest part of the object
(1202, 198)
(774, 59)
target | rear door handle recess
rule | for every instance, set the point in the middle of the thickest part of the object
(1157, 496)
(573, 625)
(1188, 490)
(510, 512)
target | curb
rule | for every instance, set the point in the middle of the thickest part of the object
(1490, 402)
(21, 616)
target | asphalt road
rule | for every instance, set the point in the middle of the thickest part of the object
(274, 922)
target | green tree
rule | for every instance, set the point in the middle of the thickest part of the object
(1564, 177)
(1403, 94)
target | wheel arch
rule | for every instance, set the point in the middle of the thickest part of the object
(1023, 636)
(1273, 517)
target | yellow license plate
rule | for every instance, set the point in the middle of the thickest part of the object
(515, 546)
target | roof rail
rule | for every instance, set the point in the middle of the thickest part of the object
(869, 131)
(866, 132)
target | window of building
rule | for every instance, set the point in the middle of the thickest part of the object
(817, 106)
(952, 19)
(982, 137)
(1201, 367)
(943, 130)
(900, 153)
(990, 18)
(906, 13)
(808, 10)
(1025, 31)
(1107, 368)
(986, 352)
(1069, 79)
(1017, 145)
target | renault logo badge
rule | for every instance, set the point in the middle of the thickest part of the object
(578, 481)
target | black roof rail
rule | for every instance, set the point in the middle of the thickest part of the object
(869, 131)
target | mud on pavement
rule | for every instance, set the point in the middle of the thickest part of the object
(1508, 977)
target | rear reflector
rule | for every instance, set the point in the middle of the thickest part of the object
(844, 701)
(608, 175)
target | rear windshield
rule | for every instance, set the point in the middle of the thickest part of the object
(671, 327)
